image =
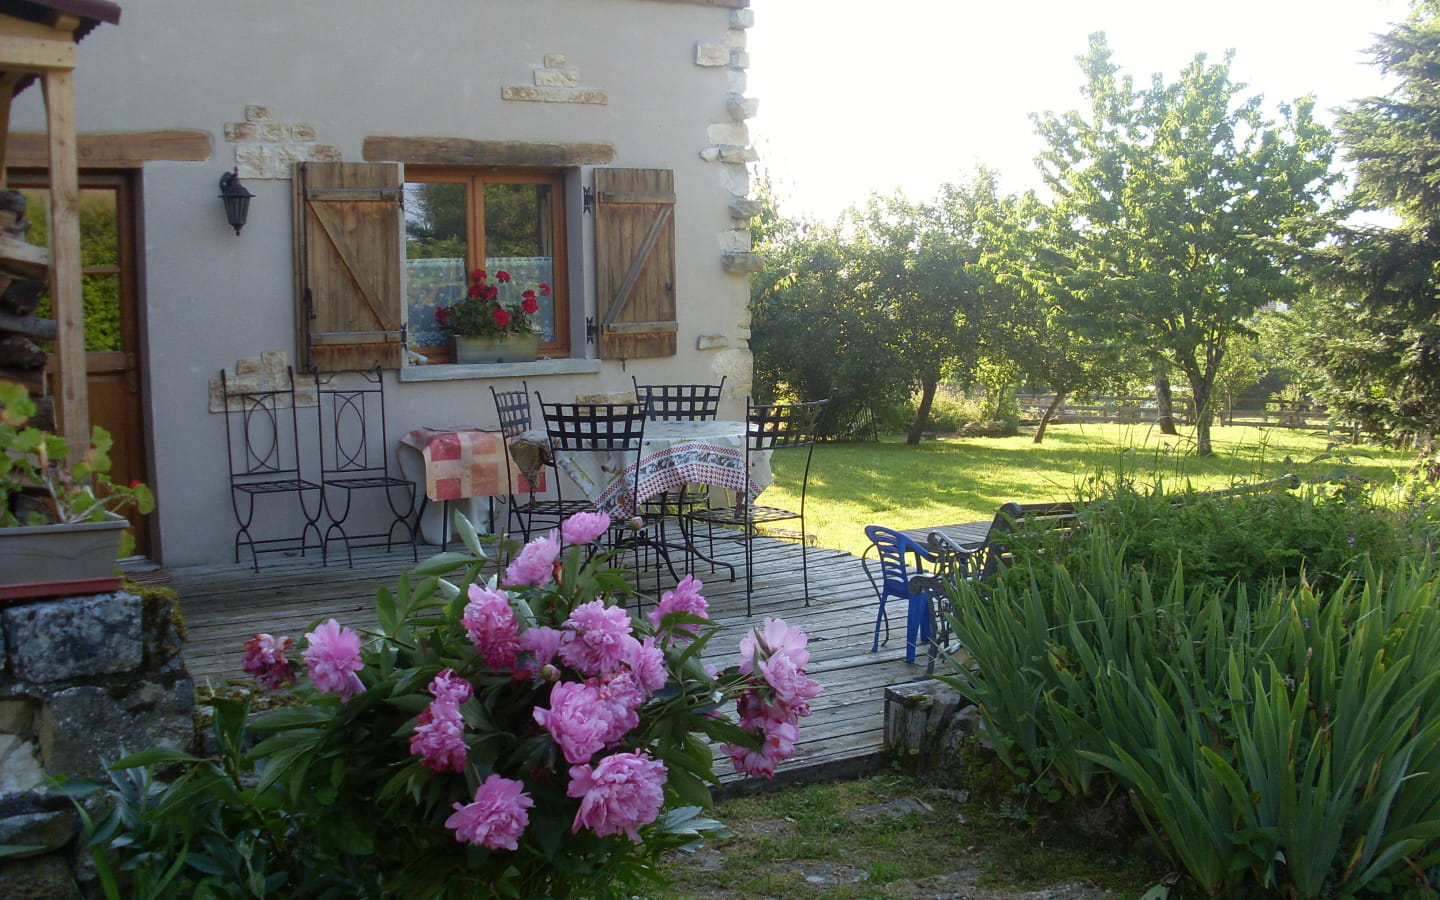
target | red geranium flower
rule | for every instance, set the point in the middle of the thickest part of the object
(501, 317)
(502, 276)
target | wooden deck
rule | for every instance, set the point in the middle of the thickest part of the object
(224, 605)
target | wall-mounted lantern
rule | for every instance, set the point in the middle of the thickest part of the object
(237, 199)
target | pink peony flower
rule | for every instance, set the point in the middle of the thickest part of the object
(774, 637)
(490, 623)
(535, 563)
(621, 696)
(577, 720)
(447, 687)
(685, 598)
(597, 637)
(333, 658)
(777, 745)
(792, 689)
(496, 818)
(439, 738)
(583, 528)
(538, 646)
(621, 793)
(647, 663)
(265, 660)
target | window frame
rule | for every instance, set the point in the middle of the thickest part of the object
(474, 178)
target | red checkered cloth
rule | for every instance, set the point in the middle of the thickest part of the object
(466, 462)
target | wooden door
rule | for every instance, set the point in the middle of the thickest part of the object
(112, 327)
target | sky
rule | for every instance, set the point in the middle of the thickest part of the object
(870, 97)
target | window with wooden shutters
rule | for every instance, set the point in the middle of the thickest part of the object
(348, 253)
(635, 259)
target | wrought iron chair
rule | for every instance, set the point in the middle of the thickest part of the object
(615, 429)
(512, 409)
(770, 428)
(354, 456)
(679, 403)
(900, 560)
(262, 445)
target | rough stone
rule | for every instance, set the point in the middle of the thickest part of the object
(712, 55)
(47, 831)
(303, 131)
(736, 81)
(241, 131)
(75, 636)
(287, 155)
(257, 113)
(735, 38)
(746, 209)
(43, 878)
(20, 770)
(739, 59)
(742, 18)
(736, 179)
(553, 94)
(17, 715)
(741, 107)
(326, 153)
(83, 729)
(711, 342)
(557, 77)
(733, 133)
(735, 240)
(554, 60)
(253, 162)
(742, 263)
(275, 132)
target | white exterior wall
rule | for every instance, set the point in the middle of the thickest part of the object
(422, 68)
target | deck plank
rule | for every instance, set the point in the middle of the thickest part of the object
(225, 604)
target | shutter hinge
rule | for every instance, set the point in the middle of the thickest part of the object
(590, 329)
(588, 201)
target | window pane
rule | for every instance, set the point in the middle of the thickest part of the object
(518, 239)
(435, 242)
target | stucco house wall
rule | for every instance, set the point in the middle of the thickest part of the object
(326, 74)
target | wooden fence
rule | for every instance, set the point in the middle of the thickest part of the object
(1142, 410)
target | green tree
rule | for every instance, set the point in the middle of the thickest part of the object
(1049, 345)
(1377, 330)
(884, 306)
(1187, 210)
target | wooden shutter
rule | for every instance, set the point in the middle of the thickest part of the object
(349, 254)
(635, 236)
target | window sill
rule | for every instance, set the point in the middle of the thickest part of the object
(453, 372)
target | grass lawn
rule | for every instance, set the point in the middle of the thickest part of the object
(890, 836)
(956, 480)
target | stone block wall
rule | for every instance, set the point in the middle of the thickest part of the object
(83, 681)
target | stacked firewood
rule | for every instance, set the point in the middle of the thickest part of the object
(24, 272)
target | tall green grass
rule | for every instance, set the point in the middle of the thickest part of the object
(958, 480)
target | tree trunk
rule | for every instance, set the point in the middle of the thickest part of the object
(1202, 390)
(1049, 414)
(922, 415)
(1165, 405)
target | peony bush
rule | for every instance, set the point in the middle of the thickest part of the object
(521, 735)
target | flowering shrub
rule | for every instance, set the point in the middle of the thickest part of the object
(481, 314)
(521, 736)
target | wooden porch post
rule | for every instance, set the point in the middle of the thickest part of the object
(72, 413)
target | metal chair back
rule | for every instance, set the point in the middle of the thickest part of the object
(680, 402)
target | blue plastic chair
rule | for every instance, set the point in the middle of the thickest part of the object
(900, 559)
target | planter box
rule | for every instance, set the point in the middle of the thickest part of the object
(56, 560)
(519, 348)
